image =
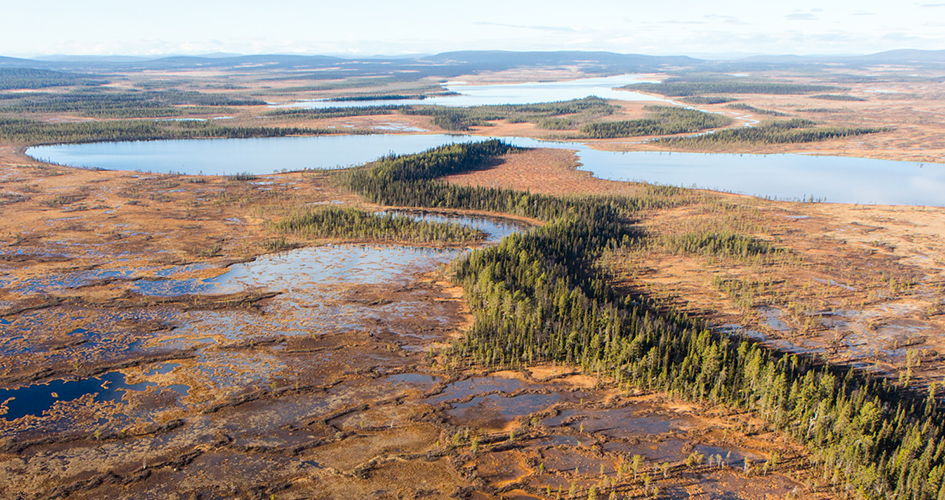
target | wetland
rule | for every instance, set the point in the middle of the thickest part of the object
(172, 335)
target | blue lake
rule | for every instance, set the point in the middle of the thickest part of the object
(783, 176)
(514, 93)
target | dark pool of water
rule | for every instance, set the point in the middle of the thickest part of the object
(37, 398)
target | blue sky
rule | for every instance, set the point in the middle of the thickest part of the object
(353, 27)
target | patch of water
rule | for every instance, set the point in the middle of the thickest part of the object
(339, 264)
(36, 399)
(414, 380)
(835, 283)
(577, 462)
(555, 441)
(478, 385)
(398, 127)
(781, 176)
(103, 334)
(626, 422)
(495, 410)
(495, 228)
(510, 93)
(163, 286)
(772, 319)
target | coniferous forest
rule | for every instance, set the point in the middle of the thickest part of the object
(537, 296)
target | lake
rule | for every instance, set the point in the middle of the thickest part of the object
(512, 93)
(783, 176)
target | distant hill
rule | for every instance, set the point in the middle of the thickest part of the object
(603, 61)
(451, 64)
(32, 78)
(904, 56)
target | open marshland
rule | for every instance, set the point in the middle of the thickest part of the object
(480, 321)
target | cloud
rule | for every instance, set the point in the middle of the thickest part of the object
(899, 37)
(862, 13)
(932, 5)
(800, 16)
(725, 19)
(559, 29)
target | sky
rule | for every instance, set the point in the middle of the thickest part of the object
(403, 27)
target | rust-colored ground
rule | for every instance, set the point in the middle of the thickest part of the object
(280, 407)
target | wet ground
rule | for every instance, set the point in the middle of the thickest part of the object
(307, 374)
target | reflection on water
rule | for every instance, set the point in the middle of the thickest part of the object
(330, 264)
(784, 176)
(289, 271)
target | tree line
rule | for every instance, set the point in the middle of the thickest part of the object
(24, 131)
(335, 222)
(795, 130)
(108, 104)
(679, 87)
(29, 78)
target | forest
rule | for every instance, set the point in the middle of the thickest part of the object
(665, 120)
(538, 296)
(96, 103)
(334, 112)
(751, 109)
(698, 99)
(29, 78)
(461, 118)
(683, 87)
(345, 223)
(24, 131)
(795, 130)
